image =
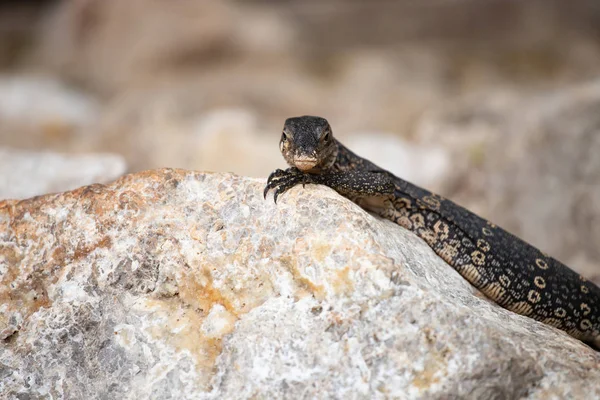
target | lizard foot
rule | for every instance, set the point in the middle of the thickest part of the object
(282, 181)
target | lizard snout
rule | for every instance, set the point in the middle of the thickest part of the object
(305, 163)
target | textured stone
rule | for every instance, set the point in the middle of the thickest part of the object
(29, 173)
(177, 284)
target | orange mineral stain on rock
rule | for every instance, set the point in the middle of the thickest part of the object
(181, 328)
(428, 377)
(303, 280)
(321, 250)
(82, 250)
(342, 282)
(434, 365)
(198, 291)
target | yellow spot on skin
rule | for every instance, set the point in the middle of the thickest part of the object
(432, 202)
(585, 308)
(418, 220)
(584, 289)
(478, 257)
(483, 245)
(428, 236)
(504, 280)
(541, 263)
(534, 296)
(585, 324)
(448, 252)
(539, 282)
(441, 230)
(405, 222)
(560, 312)
(402, 203)
(403, 212)
(487, 232)
(455, 243)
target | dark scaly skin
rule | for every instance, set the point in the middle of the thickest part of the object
(512, 273)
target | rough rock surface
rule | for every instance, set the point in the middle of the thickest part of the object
(177, 284)
(30, 173)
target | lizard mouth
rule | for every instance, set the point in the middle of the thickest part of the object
(305, 163)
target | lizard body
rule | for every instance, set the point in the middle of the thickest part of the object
(512, 273)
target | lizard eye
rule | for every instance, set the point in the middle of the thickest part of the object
(326, 137)
(283, 137)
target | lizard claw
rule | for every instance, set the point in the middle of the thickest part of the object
(282, 181)
(271, 181)
(276, 195)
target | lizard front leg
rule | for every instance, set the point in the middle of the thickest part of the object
(351, 184)
(358, 183)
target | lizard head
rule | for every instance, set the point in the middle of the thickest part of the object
(307, 143)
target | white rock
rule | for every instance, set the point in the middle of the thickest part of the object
(39, 100)
(29, 173)
(184, 294)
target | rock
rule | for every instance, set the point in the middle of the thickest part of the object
(38, 111)
(29, 173)
(41, 101)
(179, 284)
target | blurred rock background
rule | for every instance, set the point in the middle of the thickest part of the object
(493, 103)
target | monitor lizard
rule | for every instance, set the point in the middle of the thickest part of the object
(509, 271)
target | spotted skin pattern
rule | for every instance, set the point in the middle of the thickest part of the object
(512, 273)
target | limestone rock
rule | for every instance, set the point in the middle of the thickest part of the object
(30, 173)
(178, 284)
